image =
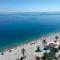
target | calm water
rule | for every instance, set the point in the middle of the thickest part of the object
(17, 28)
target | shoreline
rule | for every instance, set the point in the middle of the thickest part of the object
(15, 53)
(25, 43)
(29, 42)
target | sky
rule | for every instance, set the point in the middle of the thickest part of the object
(29, 5)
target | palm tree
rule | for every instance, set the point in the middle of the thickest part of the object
(44, 42)
(38, 49)
(23, 52)
(44, 57)
(59, 47)
(56, 37)
(48, 56)
(37, 58)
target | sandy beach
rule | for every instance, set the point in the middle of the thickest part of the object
(16, 54)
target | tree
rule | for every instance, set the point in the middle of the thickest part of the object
(55, 50)
(37, 58)
(44, 57)
(56, 37)
(48, 56)
(59, 47)
(44, 42)
(38, 49)
(23, 52)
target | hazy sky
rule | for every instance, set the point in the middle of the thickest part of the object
(29, 5)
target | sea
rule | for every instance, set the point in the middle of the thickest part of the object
(21, 28)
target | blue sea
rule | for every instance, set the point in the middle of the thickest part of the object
(19, 28)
